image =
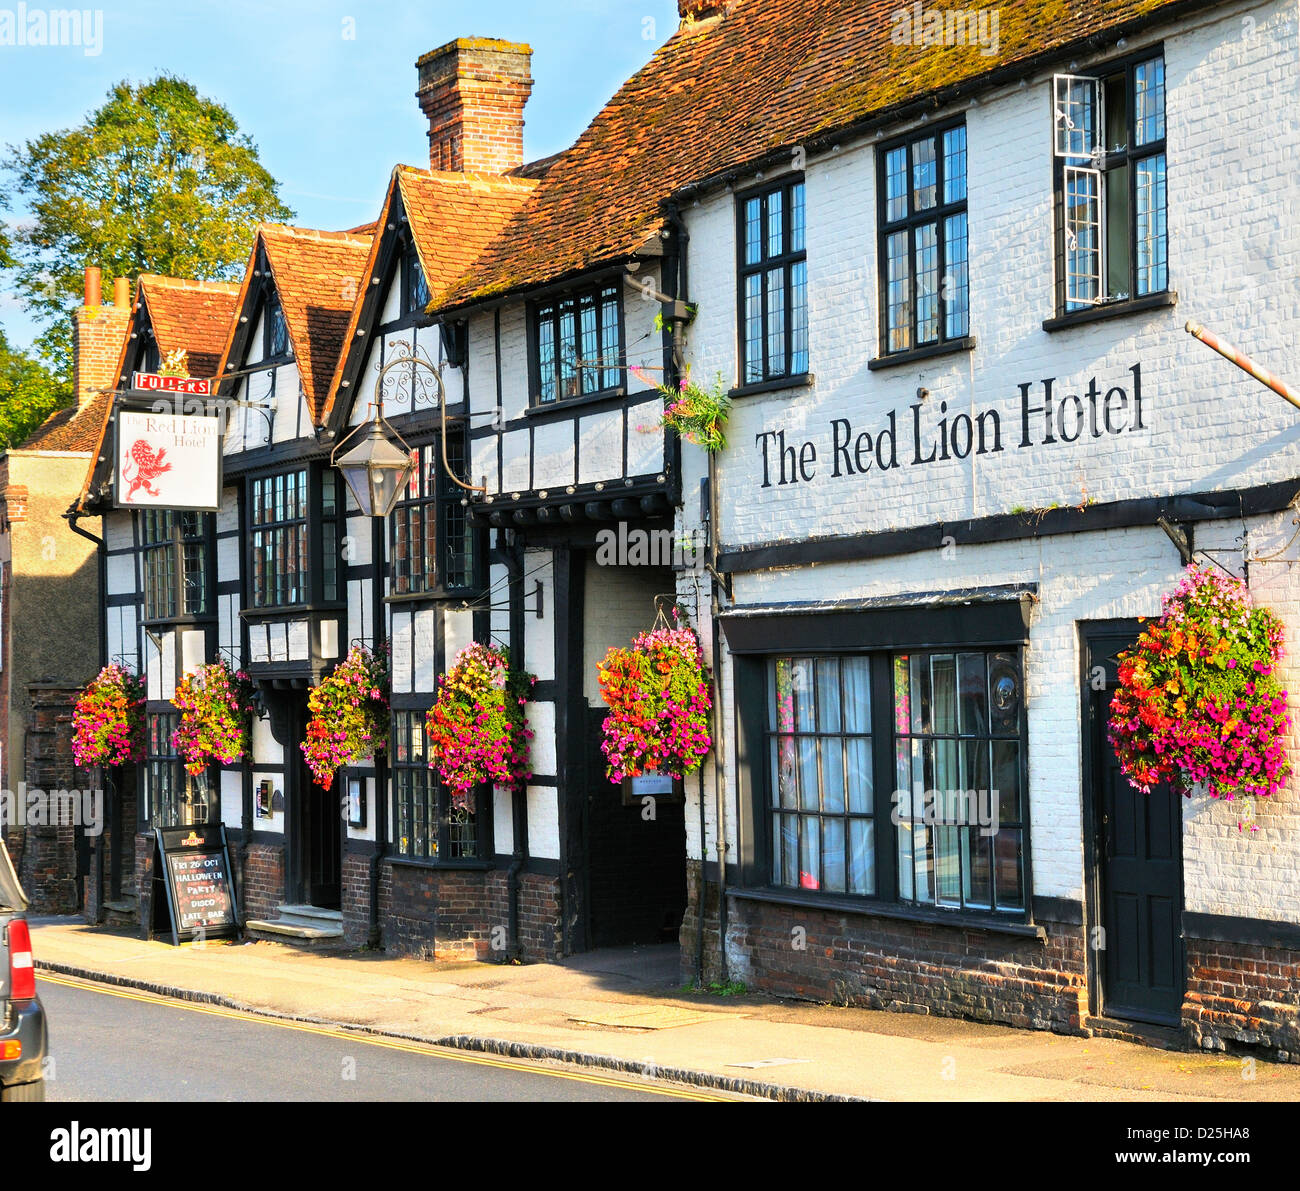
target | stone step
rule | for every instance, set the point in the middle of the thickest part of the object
(308, 926)
(312, 915)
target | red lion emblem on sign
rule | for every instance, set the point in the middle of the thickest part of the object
(148, 466)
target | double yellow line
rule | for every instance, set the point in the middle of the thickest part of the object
(369, 1040)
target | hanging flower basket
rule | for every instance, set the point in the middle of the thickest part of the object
(477, 730)
(659, 704)
(349, 715)
(697, 414)
(1199, 698)
(108, 723)
(216, 705)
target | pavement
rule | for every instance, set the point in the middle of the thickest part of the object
(626, 1010)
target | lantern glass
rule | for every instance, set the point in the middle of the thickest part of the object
(376, 471)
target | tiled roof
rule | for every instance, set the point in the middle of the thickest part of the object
(193, 316)
(452, 217)
(317, 276)
(71, 429)
(729, 89)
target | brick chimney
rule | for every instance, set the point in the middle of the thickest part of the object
(473, 91)
(97, 334)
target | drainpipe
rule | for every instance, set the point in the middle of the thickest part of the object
(518, 798)
(101, 635)
(379, 556)
(674, 369)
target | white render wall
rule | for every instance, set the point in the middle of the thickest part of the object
(1234, 254)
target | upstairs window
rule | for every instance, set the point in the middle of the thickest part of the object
(175, 554)
(924, 248)
(578, 344)
(432, 544)
(1111, 194)
(773, 283)
(276, 344)
(415, 289)
(278, 519)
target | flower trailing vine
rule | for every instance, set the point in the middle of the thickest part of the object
(108, 721)
(659, 702)
(477, 728)
(216, 705)
(349, 714)
(697, 414)
(1199, 698)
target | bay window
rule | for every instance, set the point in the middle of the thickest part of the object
(433, 547)
(175, 552)
(894, 775)
(173, 798)
(428, 825)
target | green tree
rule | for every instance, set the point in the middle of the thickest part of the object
(28, 395)
(157, 180)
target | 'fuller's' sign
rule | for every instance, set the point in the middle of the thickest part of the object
(152, 382)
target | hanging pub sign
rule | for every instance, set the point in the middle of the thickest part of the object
(193, 865)
(153, 382)
(167, 461)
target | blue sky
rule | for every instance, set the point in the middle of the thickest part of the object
(331, 114)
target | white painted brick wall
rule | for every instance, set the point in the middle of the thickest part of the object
(1234, 252)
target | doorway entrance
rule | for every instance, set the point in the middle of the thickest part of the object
(315, 826)
(1136, 864)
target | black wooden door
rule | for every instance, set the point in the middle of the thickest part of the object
(323, 843)
(636, 865)
(1140, 859)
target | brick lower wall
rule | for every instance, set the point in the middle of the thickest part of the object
(883, 963)
(1241, 994)
(465, 914)
(263, 891)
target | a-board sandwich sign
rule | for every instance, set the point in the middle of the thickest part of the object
(194, 866)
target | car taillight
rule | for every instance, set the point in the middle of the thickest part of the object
(22, 972)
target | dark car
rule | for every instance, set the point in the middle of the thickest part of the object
(23, 1040)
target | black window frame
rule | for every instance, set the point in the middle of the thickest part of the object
(1114, 158)
(786, 260)
(169, 807)
(415, 286)
(165, 544)
(608, 371)
(908, 223)
(414, 783)
(320, 569)
(274, 324)
(759, 801)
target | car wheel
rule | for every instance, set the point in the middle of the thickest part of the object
(24, 1092)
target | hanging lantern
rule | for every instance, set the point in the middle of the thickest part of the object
(377, 471)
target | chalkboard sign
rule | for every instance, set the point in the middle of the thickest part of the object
(194, 865)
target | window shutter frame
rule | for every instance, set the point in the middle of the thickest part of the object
(1062, 129)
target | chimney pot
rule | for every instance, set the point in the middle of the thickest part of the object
(121, 293)
(473, 92)
(94, 294)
